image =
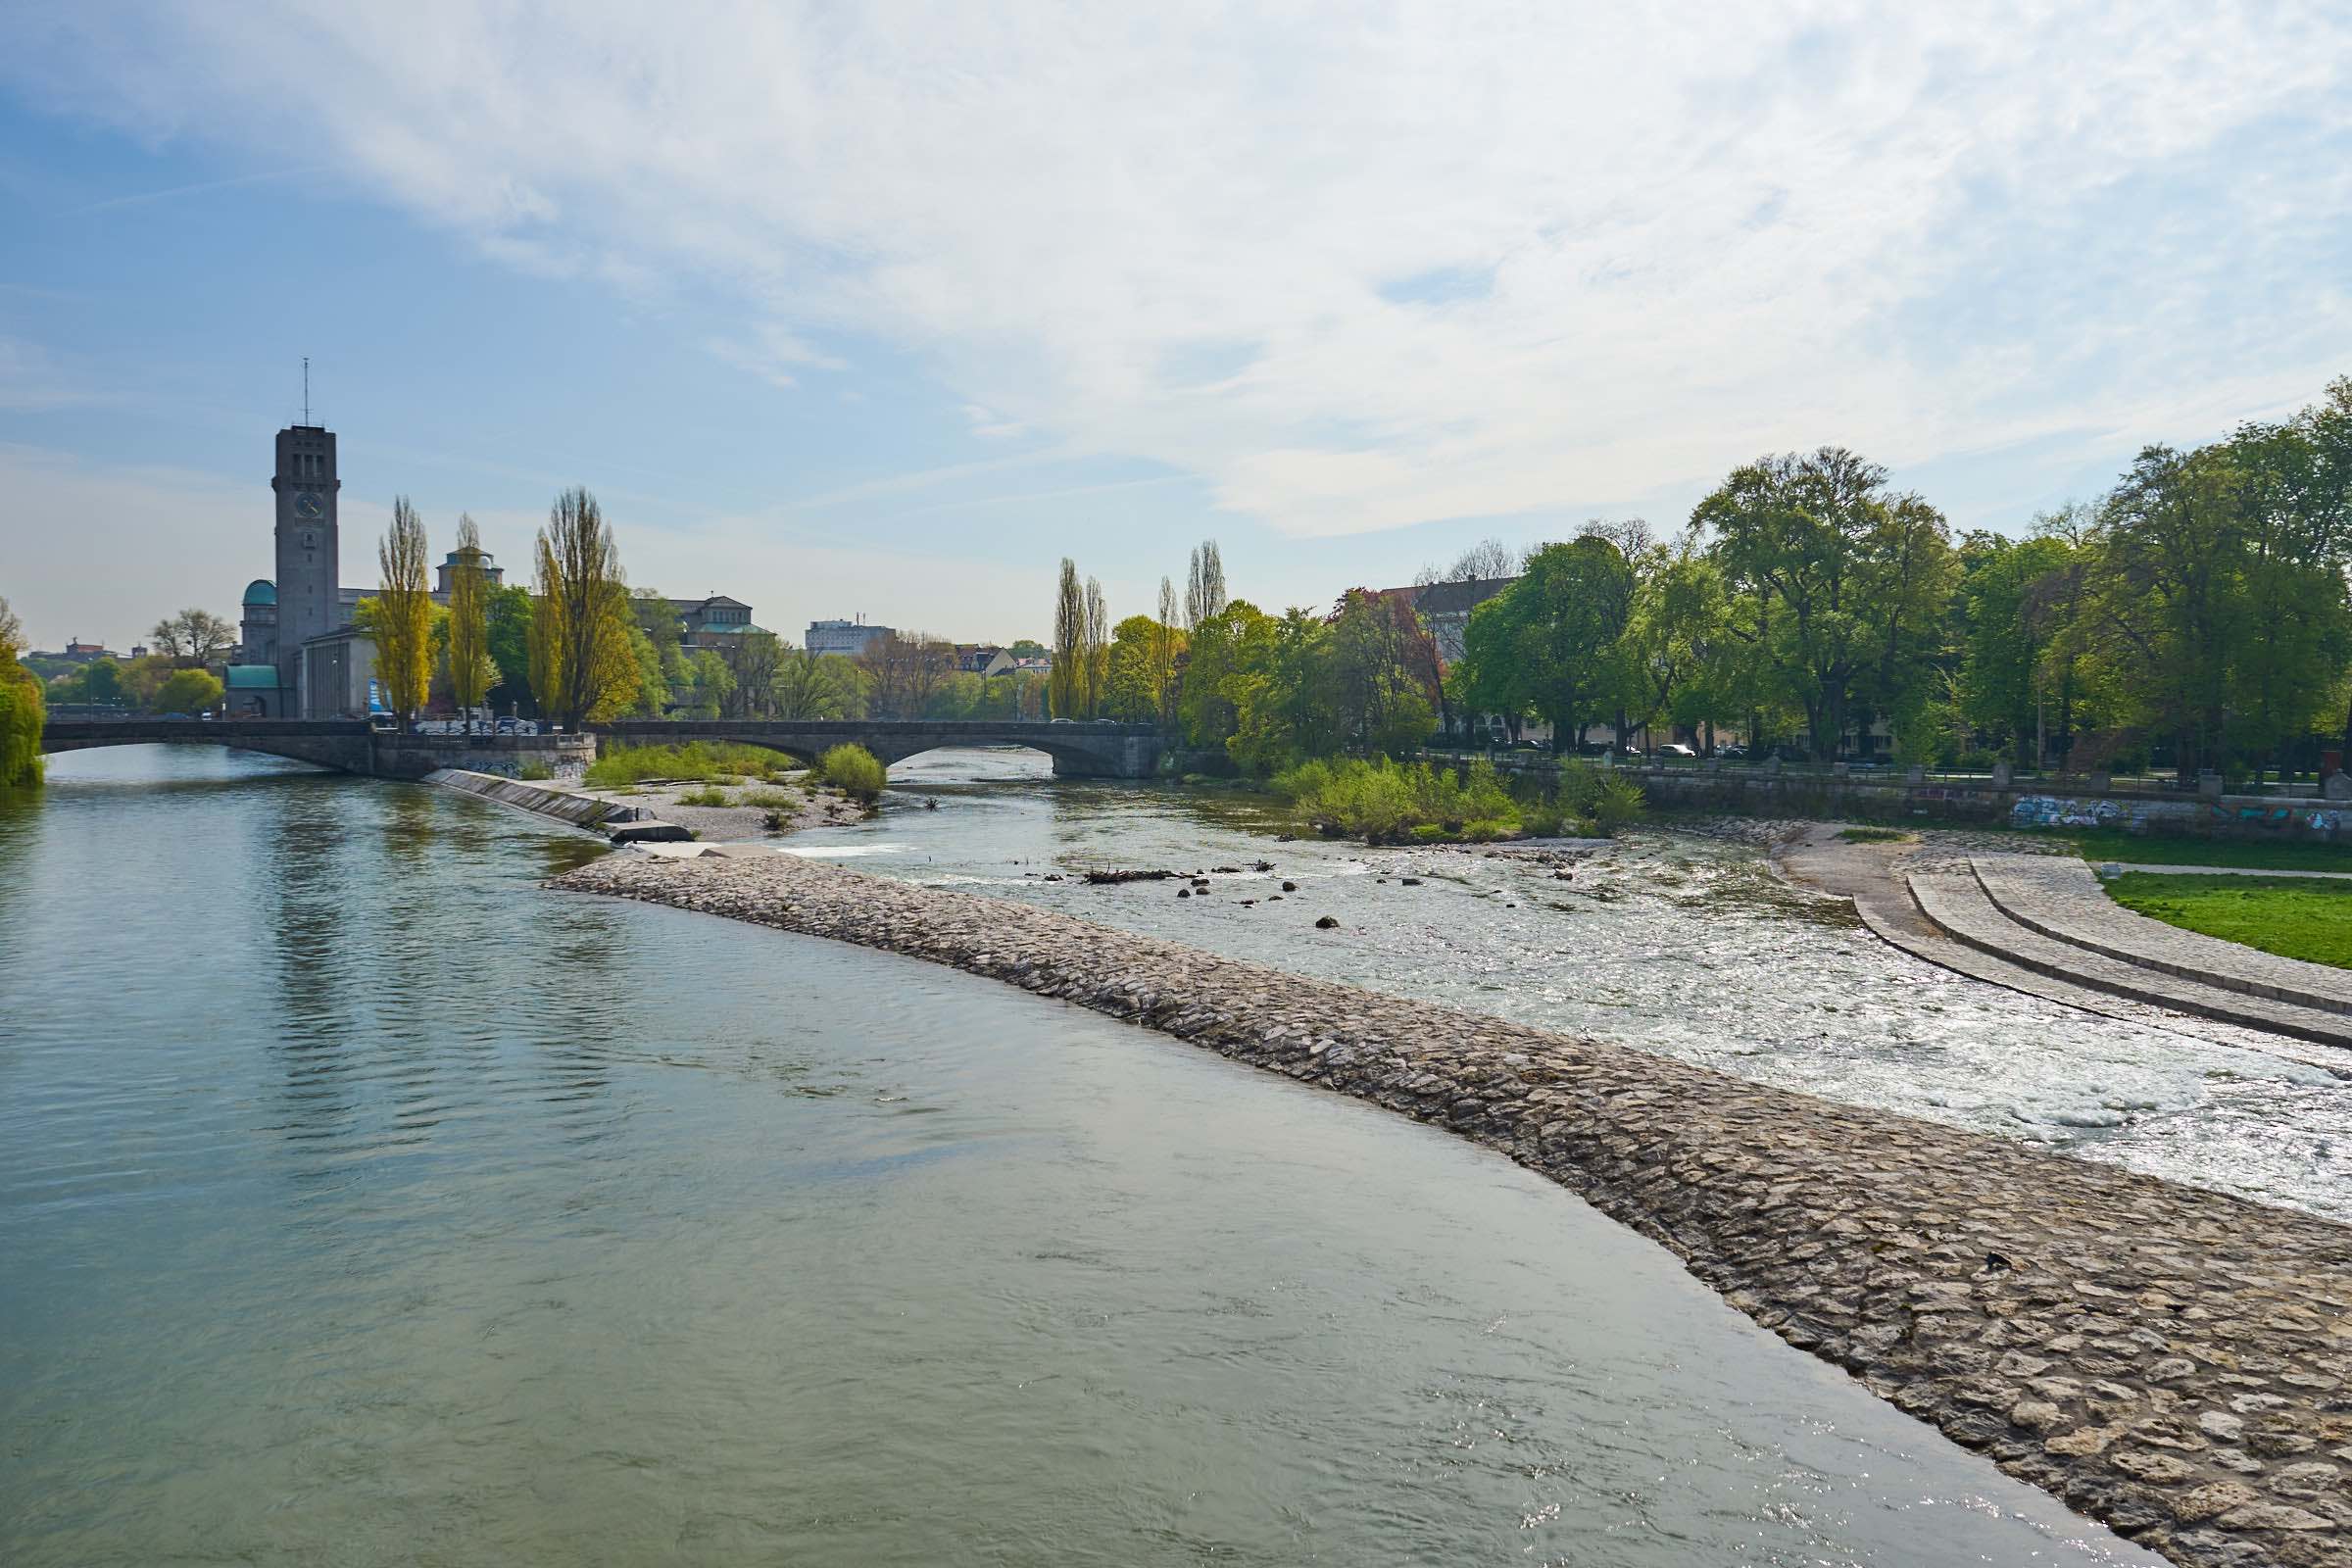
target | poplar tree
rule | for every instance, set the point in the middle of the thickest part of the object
(1066, 690)
(403, 621)
(471, 673)
(584, 666)
(1164, 656)
(1098, 647)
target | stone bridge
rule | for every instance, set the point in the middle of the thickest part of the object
(1078, 750)
(353, 746)
(348, 745)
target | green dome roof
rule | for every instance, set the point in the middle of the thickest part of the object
(260, 591)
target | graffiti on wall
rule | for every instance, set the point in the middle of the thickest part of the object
(2058, 810)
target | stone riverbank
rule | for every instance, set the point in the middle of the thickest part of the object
(2174, 1362)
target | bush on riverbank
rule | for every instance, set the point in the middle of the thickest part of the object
(696, 760)
(1387, 802)
(854, 771)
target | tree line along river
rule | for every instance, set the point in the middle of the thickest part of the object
(363, 1202)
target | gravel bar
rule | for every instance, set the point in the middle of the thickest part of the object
(2170, 1362)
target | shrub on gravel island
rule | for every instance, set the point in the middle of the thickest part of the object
(1382, 802)
(854, 771)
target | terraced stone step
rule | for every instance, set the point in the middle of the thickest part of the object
(2061, 899)
(1956, 903)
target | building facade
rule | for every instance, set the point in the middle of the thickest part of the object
(850, 637)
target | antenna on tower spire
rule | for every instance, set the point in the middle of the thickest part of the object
(306, 389)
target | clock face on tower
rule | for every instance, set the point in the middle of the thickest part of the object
(306, 505)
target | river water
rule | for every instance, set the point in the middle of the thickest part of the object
(363, 1203)
(1668, 942)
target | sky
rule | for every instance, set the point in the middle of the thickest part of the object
(883, 308)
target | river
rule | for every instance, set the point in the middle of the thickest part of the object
(363, 1203)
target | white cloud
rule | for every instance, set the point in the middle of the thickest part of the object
(31, 379)
(1360, 269)
(990, 424)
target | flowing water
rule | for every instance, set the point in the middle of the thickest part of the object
(363, 1203)
(1668, 942)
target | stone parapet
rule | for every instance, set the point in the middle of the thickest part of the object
(2172, 1361)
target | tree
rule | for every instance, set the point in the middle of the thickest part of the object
(471, 672)
(1549, 642)
(902, 670)
(1674, 639)
(812, 685)
(1028, 648)
(1098, 647)
(404, 612)
(1131, 689)
(1167, 644)
(1483, 561)
(1204, 587)
(508, 643)
(23, 712)
(1833, 581)
(714, 681)
(189, 691)
(98, 681)
(583, 668)
(195, 635)
(754, 661)
(1381, 671)
(1068, 688)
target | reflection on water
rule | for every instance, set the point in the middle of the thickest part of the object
(362, 1203)
(1667, 942)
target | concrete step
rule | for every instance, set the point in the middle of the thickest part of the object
(2063, 900)
(1956, 903)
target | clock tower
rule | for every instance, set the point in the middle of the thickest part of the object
(309, 556)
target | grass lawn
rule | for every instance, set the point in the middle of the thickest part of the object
(2131, 849)
(2295, 918)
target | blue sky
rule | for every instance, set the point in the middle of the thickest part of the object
(885, 309)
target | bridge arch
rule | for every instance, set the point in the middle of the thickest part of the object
(345, 745)
(1077, 750)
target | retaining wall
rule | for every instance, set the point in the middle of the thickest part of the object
(575, 810)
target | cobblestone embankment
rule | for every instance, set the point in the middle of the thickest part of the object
(2172, 1361)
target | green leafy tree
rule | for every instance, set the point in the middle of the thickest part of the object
(1381, 672)
(189, 691)
(1836, 585)
(1549, 640)
(509, 612)
(23, 712)
(1674, 644)
(812, 685)
(1227, 648)
(1132, 682)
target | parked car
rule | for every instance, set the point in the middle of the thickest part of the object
(1062, 721)
(1732, 754)
(1674, 749)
